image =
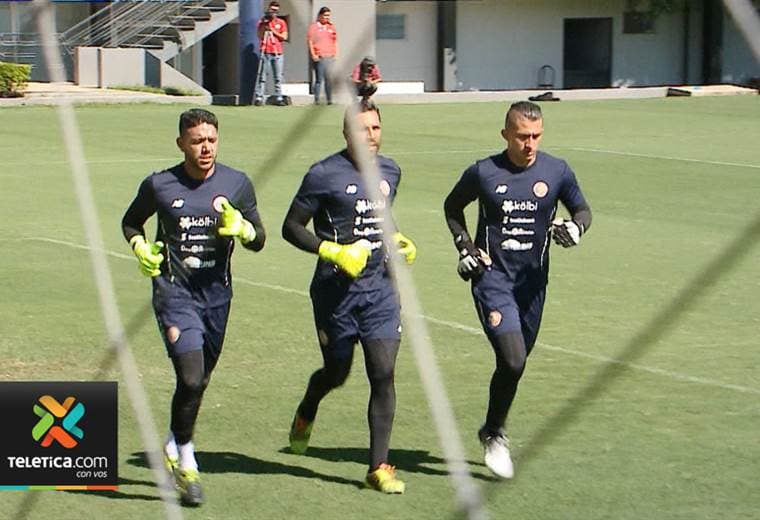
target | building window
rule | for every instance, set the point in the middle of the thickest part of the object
(638, 22)
(390, 26)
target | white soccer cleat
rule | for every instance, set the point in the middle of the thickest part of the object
(496, 453)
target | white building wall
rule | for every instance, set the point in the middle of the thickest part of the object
(296, 52)
(414, 57)
(354, 21)
(501, 44)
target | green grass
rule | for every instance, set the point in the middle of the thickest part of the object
(670, 433)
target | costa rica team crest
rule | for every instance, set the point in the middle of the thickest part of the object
(385, 188)
(217, 203)
(540, 189)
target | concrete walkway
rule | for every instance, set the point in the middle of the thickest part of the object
(53, 93)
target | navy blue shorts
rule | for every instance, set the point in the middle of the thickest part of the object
(199, 327)
(502, 307)
(343, 317)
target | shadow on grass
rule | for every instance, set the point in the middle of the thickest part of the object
(122, 492)
(409, 461)
(212, 462)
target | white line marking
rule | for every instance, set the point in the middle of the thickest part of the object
(472, 330)
(609, 360)
(663, 157)
(271, 286)
(489, 151)
(79, 246)
(172, 160)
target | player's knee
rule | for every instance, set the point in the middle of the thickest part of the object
(337, 374)
(511, 368)
(382, 376)
(192, 383)
(511, 354)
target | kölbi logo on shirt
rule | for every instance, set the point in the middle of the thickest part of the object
(58, 434)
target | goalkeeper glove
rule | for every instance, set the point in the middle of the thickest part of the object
(351, 258)
(148, 254)
(405, 247)
(234, 225)
(566, 232)
(472, 261)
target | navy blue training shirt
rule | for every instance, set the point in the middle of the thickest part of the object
(189, 211)
(516, 208)
(334, 193)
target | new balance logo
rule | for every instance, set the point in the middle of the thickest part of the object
(46, 431)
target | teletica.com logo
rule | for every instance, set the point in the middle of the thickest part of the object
(46, 431)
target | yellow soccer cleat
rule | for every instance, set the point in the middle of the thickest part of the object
(384, 480)
(189, 485)
(300, 433)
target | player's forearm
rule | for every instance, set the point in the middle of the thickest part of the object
(453, 209)
(257, 244)
(582, 217)
(132, 222)
(294, 230)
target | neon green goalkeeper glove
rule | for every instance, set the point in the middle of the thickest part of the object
(234, 225)
(405, 247)
(148, 254)
(351, 258)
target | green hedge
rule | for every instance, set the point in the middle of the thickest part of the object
(13, 79)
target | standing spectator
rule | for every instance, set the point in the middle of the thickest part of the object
(272, 31)
(323, 50)
(366, 76)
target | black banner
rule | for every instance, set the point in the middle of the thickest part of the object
(58, 434)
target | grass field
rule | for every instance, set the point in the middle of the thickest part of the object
(641, 399)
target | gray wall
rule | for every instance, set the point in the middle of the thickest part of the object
(523, 35)
(739, 64)
(414, 57)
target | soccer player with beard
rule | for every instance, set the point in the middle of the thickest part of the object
(201, 206)
(352, 293)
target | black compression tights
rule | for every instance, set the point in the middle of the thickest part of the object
(380, 361)
(192, 380)
(510, 354)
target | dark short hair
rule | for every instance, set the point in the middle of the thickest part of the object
(361, 106)
(196, 116)
(274, 3)
(322, 10)
(527, 109)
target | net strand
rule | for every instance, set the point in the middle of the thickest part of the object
(114, 329)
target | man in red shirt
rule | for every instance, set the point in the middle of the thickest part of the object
(322, 40)
(272, 32)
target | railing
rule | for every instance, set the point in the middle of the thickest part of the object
(137, 24)
(18, 47)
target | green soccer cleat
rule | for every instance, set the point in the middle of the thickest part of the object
(300, 432)
(189, 485)
(384, 479)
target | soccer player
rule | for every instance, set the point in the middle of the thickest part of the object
(352, 294)
(508, 263)
(202, 205)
